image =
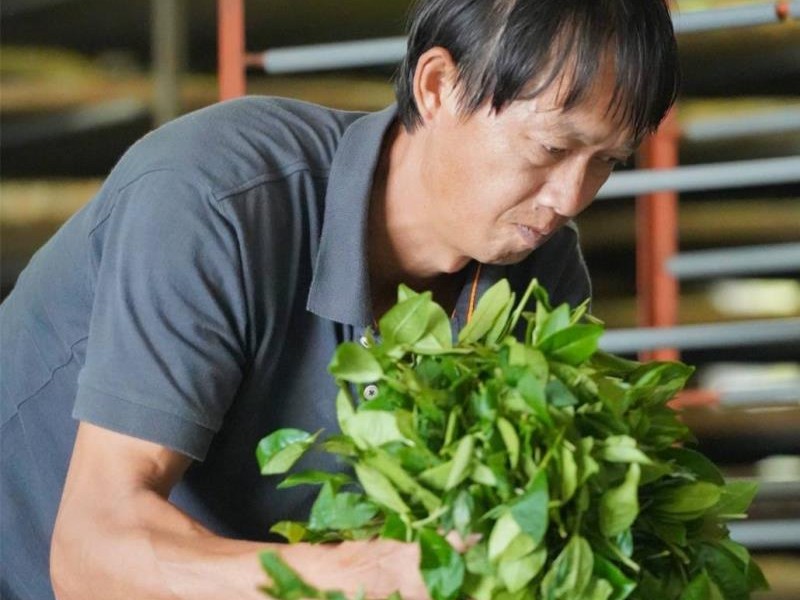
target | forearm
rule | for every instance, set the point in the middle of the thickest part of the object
(157, 552)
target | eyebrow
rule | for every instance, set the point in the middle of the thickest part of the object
(628, 148)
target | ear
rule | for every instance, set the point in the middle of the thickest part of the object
(435, 84)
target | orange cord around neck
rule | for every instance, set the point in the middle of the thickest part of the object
(473, 293)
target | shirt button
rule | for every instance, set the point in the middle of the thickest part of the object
(364, 341)
(371, 391)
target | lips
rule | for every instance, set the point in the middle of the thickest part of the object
(530, 236)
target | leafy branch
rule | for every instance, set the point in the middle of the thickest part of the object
(565, 462)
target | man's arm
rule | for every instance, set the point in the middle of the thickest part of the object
(118, 537)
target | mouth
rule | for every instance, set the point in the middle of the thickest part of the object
(530, 236)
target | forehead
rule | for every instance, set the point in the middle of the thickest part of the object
(596, 114)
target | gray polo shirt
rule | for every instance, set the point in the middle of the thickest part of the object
(196, 302)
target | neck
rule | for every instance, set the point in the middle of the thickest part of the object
(401, 247)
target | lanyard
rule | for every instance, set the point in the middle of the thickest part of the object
(473, 293)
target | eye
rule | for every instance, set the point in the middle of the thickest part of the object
(615, 161)
(555, 151)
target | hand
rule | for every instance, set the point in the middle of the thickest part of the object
(378, 567)
(462, 545)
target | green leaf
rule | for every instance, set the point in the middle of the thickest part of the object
(619, 506)
(657, 382)
(699, 588)
(622, 586)
(461, 462)
(406, 322)
(476, 561)
(622, 449)
(694, 462)
(351, 362)
(613, 395)
(510, 439)
(572, 345)
(463, 507)
(314, 478)
(380, 489)
(735, 498)
(499, 329)
(517, 573)
(686, 502)
(569, 474)
(597, 589)
(613, 366)
(535, 393)
(521, 305)
(552, 322)
(520, 355)
(394, 528)
(286, 584)
(671, 532)
(344, 410)
(374, 428)
(339, 444)
(587, 465)
(542, 299)
(725, 571)
(277, 452)
(344, 510)
(441, 566)
(393, 470)
(521, 545)
(438, 335)
(404, 293)
(505, 530)
(291, 530)
(559, 395)
(437, 476)
(530, 509)
(570, 572)
(755, 577)
(490, 307)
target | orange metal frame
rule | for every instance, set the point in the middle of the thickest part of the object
(656, 214)
(657, 239)
(231, 48)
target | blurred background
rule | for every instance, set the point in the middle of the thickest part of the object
(81, 80)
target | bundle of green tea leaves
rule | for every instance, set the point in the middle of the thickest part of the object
(566, 461)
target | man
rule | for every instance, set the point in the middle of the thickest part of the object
(192, 306)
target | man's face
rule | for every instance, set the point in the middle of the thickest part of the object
(501, 185)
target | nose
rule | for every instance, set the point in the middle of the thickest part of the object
(565, 191)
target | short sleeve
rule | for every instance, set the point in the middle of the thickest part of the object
(166, 349)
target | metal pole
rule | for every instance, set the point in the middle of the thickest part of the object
(788, 393)
(78, 120)
(169, 40)
(715, 335)
(379, 51)
(657, 240)
(340, 55)
(762, 535)
(777, 120)
(714, 176)
(736, 16)
(231, 48)
(773, 258)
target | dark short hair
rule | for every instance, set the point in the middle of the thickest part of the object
(502, 47)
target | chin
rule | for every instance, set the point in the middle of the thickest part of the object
(509, 258)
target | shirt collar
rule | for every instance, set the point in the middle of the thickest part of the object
(340, 283)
